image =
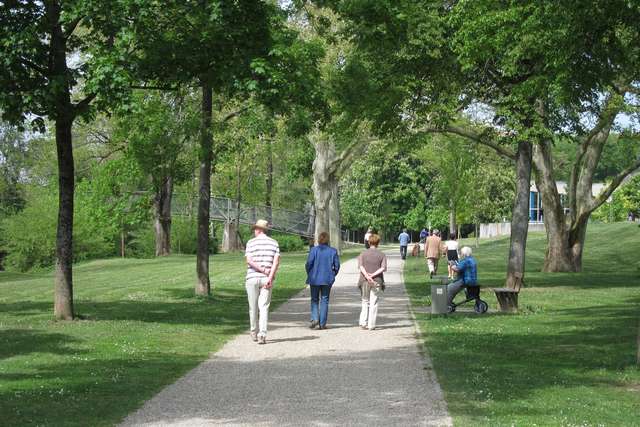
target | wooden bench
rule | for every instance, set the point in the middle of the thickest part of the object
(508, 297)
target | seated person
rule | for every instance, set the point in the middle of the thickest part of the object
(467, 270)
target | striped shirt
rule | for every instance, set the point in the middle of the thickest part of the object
(262, 250)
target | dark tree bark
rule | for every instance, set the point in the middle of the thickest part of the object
(203, 285)
(520, 217)
(63, 306)
(162, 204)
(64, 116)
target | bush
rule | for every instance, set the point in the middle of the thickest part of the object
(288, 242)
(184, 235)
(29, 237)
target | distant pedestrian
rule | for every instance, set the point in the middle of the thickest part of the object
(433, 251)
(372, 264)
(322, 266)
(366, 238)
(263, 259)
(423, 235)
(404, 240)
(451, 246)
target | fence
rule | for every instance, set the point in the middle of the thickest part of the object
(225, 209)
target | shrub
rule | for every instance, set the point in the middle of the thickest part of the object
(29, 237)
(288, 242)
(184, 239)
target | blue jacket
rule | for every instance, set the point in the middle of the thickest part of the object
(469, 269)
(322, 265)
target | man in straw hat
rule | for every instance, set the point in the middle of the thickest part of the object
(263, 258)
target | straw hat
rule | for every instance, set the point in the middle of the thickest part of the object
(261, 223)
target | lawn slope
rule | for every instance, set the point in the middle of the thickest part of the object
(568, 358)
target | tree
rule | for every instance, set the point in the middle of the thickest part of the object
(13, 161)
(157, 131)
(39, 81)
(388, 187)
(537, 67)
(213, 45)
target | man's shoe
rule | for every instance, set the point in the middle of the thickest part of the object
(262, 340)
(254, 336)
(322, 327)
(313, 324)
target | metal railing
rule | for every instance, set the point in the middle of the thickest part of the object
(225, 209)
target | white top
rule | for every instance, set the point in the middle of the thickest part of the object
(262, 250)
(366, 236)
(452, 245)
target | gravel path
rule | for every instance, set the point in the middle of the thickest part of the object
(339, 376)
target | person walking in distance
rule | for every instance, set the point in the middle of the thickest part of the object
(404, 240)
(372, 264)
(366, 238)
(432, 251)
(263, 258)
(322, 266)
(452, 253)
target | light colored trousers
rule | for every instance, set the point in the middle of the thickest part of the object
(432, 263)
(369, 311)
(259, 300)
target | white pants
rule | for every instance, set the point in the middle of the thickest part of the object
(432, 263)
(369, 311)
(259, 300)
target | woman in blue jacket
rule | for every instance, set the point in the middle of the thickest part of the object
(322, 266)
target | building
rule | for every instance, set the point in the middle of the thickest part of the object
(536, 212)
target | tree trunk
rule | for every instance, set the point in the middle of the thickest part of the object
(162, 204)
(64, 116)
(335, 234)
(269, 184)
(63, 300)
(203, 285)
(577, 236)
(520, 217)
(558, 256)
(312, 220)
(324, 154)
(122, 242)
(230, 240)
(452, 219)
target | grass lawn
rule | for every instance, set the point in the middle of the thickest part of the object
(144, 328)
(567, 359)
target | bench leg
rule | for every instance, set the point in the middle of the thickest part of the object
(508, 301)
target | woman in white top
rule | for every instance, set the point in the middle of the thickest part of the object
(452, 253)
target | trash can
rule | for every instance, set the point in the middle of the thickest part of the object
(439, 299)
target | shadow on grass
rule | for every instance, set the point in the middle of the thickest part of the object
(95, 392)
(19, 342)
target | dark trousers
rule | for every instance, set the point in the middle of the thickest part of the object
(403, 252)
(320, 303)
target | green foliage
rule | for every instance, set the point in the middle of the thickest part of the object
(29, 236)
(184, 235)
(624, 201)
(157, 131)
(289, 242)
(385, 189)
(115, 198)
(31, 87)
